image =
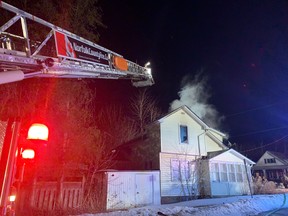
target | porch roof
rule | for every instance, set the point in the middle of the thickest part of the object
(275, 167)
(232, 151)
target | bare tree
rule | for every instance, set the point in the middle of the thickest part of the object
(113, 121)
(144, 109)
(192, 177)
(83, 18)
(24, 99)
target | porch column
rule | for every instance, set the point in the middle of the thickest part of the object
(264, 173)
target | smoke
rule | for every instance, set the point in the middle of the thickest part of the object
(195, 94)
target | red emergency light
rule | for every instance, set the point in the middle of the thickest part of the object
(28, 154)
(38, 132)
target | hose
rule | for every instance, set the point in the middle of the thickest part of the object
(284, 202)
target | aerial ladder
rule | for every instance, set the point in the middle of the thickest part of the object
(60, 54)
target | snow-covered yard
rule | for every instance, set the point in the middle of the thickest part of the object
(236, 206)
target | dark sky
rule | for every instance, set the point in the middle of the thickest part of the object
(242, 46)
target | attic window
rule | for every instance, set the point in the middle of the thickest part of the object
(183, 134)
(270, 160)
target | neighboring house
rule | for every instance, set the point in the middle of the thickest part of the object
(273, 166)
(191, 156)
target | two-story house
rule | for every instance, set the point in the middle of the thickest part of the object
(192, 158)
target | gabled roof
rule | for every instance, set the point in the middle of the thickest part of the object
(281, 157)
(211, 155)
(193, 116)
(189, 112)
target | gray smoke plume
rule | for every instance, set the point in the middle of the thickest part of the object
(195, 94)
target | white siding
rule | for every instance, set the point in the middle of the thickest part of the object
(218, 136)
(170, 137)
(211, 145)
(131, 189)
(169, 187)
(227, 157)
(230, 185)
(198, 141)
(229, 189)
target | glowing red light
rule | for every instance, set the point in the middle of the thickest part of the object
(12, 198)
(28, 154)
(38, 131)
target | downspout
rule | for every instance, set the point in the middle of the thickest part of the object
(198, 139)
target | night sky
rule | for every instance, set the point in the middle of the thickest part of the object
(241, 46)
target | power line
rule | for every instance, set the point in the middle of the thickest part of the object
(260, 131)
(265, 144)
(254, 109)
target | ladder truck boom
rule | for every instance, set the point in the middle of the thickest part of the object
(69, 56)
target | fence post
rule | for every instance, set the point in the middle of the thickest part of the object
(59, 192)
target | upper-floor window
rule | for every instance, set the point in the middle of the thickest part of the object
(183, 134)
(270, 160)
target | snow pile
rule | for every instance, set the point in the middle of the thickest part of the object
(242, 206)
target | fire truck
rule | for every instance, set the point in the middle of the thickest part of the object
(59, 53)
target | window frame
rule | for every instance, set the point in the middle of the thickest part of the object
(184, 168)
(227, 172)
(269, 160)
(231, 172)
(240, 172)
(223, 172)
(183, 129)
(214, 170)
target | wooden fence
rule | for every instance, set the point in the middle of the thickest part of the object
(44, 195)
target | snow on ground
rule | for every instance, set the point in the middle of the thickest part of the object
(236, 206)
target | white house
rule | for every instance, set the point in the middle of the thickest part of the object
(191, 157)
(272, 165)
(186, 158)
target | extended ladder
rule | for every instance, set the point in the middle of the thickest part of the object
(74, 57)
